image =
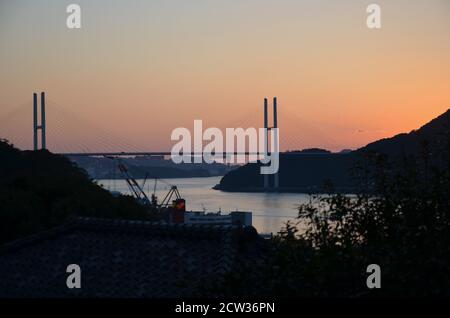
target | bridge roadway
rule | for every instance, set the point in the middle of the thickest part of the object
(168, 153)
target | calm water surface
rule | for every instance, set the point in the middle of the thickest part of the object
(270, 210)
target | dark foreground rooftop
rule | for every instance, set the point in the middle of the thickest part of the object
(121, 258)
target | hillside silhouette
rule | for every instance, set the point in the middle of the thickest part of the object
(40, 190)
(318, 171)
(434, 134)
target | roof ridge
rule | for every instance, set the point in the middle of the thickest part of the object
(83, 222)
(123, 225)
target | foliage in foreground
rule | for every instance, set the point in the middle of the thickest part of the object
(401, 222)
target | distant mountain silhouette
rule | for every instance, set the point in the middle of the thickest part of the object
(141, 167)
(302, 172)
(311, 150)
(434, 133)
(316, 170)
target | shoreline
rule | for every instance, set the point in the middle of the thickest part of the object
(299, 190)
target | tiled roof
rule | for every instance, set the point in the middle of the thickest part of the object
(122, 258)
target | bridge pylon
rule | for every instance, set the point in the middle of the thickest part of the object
(276, 180)
(42, 125)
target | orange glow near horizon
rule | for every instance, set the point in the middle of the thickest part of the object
(139, 69)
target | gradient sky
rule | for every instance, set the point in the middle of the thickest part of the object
(138, 69)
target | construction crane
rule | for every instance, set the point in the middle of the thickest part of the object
(134, 187)
(173, 207)
(172, 196)
(173, 192)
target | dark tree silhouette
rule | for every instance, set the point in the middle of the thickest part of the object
(40, 190)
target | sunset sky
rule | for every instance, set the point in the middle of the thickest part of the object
(138, 69)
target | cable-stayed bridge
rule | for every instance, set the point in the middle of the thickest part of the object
(44, 123)
(60, 130)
